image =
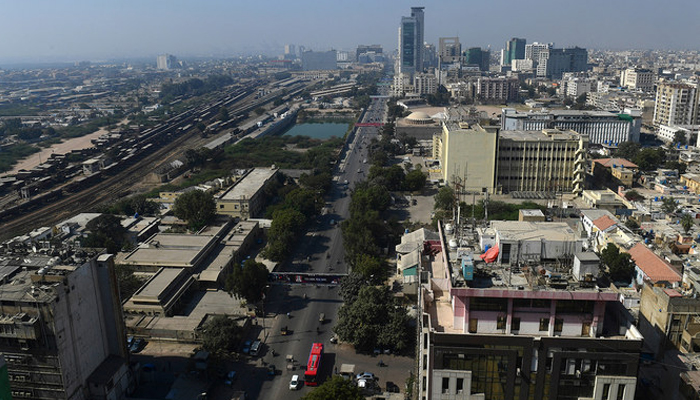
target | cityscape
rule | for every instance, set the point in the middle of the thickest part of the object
(324, 201)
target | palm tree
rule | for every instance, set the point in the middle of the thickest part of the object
(687, 222)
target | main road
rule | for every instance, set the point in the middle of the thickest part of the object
(321, 250)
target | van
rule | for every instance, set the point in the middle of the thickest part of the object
(255, 348)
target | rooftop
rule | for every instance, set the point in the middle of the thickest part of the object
(246, 187)
(652, 265)
(526, 230)
(542, 135)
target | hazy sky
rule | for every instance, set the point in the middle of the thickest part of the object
(52, 30)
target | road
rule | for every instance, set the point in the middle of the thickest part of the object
(321, 250)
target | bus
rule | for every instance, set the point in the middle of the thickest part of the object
(314, 364)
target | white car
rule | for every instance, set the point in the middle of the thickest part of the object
(294, 384)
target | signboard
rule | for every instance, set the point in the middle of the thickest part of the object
(301, 278)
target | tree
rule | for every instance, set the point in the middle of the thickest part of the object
(581, 99)
(677, 165)
(196, 207)
(374, 318)
(445, 199)
(106, 231)
(628, 150)
(649, 159)
(687, 222)
(350, 286)
(248, 281)
(221, 335)
(336, 388)
(415, 180)
(370, 268)
(680, 137)
(223, 114)
(127, 282)
(620, 265)
(440, 98)
(669, 205)
(632, 224)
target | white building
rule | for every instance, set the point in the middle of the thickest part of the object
(637, 79)
(425, 84)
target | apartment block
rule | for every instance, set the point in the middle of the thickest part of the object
(548, 160)
(637, 79)
(61, 326)
(676, 104)
(497, 90)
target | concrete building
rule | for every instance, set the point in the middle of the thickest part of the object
(637, 79)
(676, 104)
(449, 50)
(557, 61)
(424, 84)
(600, 126)
(411, 31)
(574, 86)
(669, 318)
(61, 326)
(614, 171)
(319, 60)
(668, 133)
(533, 51)
(467, 153)
(522, 66)
(478, 56)
(497, 90)
(652, 269)
(522, 333)
(549, 160)
(165, 62)
(245, 198)
(515, 50)
(363, 50)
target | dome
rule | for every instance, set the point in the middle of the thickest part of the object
(419, 117)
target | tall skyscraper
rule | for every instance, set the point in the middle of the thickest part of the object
(166, 61)
(477, 56)
(515, 50)
(450, 50)
(411, 42)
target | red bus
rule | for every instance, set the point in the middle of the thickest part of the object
(314, 364)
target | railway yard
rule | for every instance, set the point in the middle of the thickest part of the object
(67, 191)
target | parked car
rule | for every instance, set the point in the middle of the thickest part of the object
(255, 348)
(246, 346)
(365, 375)
(137, 345)
(230, 377)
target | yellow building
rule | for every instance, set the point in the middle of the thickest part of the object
(244, 199)
(467, 154)
(692, 181)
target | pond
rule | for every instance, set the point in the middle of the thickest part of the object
(319, 130)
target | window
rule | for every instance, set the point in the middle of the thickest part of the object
(473, 324)
(501, 322)
(445, 385)
(620, 392)
(460, 385)
(558, 325)
(515, 324)
(606, 390)
(544, 324)
(221, 206)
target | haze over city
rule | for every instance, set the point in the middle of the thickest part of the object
(46, 31)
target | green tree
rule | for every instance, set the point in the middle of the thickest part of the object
(393, 177)
(445, 199)
(415, 180)
(370, 268)
(669, 205)
(633, 195)
(286, 223)
(620, 265)
(223, 114)
(632, 224)
(440, 98)
(678, 166)
(248, 281)
(335, 388)
(221, 335)
(350, 286)
(106, 231)
(127, 281)
(680, 137)
(196, 207)
(581, 99)
(370, 321)
(259, 111)
(628, 150)
(687, 222)
(649, 159)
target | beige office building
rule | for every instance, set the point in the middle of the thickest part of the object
(467, 153)
(637, 79)
(244, 199)
(550, 160)
(676, 104)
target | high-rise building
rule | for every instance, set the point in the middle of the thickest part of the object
(637, 79)
(165, 62)
(411, 42)
(515, 50)
(676, 104)
(533, 51)
(289, 50)
(425, 84)
(498, 90)
(364, 49)
(557, 61)
(478, 56)
(450, 50)
(61, 326)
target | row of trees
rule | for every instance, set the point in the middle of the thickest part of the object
(396, 179)
(193, 87)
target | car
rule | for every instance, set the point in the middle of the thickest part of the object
(334, 339)
(230, 377)
(255, 348)
(129, 341)
(246, 346)
(137, 345)
(365, 376)
(295, 383)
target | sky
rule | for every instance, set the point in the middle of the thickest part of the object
(74, 30)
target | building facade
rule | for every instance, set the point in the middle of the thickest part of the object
(245, 198)
(497, 90)
(319, 60)
(478, 56)
(61, 328)
(549, 160)
(637, 79)
(676, 104)
(411, 31)
(515, 50)
(600, 126)
(424, 84)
